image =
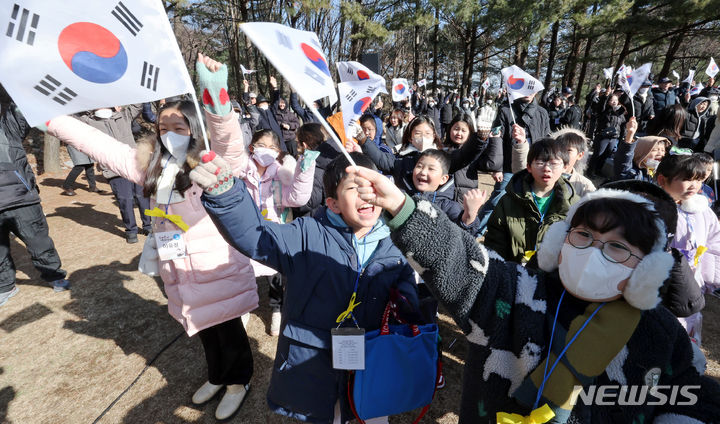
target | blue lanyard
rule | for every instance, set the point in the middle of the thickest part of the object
(542, 214)
(360, 266)
(546, 374)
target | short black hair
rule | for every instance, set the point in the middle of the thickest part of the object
(573, 139)
(368, 117)
(335, 172)
(547, 149)
(634, 221)
(311, 134)
(441, 156)
(685, 167)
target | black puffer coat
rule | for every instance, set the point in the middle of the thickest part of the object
(17, 180)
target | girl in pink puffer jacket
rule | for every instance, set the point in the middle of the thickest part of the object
(209, 285)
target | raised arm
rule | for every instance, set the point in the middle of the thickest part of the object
(298, 188)
(110, 153)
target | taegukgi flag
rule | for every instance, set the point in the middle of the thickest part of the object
(676, 75)
(486, 83)
(297, 55)
(400, 89)
(712, 68)
(519, 83)
(608, 72)
(631, 83)
(356, 71)
(691, 75)
(359, 88)
(697, 89)
(422, 83)
(62, 57)
(246, 71)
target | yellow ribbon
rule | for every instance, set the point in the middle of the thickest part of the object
(342, 317)
(528, 255)
(175, 219)
(699, 252)
(264, 213)
(540, 415)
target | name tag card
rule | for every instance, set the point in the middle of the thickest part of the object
(170, 245)
(348, 348)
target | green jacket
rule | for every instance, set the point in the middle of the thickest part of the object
(515, 225)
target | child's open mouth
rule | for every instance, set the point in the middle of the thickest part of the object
(366, 210)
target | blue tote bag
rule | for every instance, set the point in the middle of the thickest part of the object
(401, 369)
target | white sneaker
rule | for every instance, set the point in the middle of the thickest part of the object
(245, 319)
(275, 324)
(205, 393)
(232, 401)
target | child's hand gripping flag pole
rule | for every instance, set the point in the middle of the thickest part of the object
(298, 56)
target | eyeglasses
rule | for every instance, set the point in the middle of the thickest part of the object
(613, 251)
(540, 164)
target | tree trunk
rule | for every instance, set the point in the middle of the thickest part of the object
(583, 69)
(551, 54)
(416, 46)
(572, 57)
(51, 156)
(435, 49)
(675, 43)
(624, 51)
(572, 67)
(468, 58)
(538, 57)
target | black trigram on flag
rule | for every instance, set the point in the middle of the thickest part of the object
(149, 76)
(26, 22)
(126, 18)
(49, 86)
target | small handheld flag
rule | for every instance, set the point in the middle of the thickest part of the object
(359, 88)
(519, 83)
(676, 75)
(608, 72)
(422, 83)
(246, 71)
(690, 77)
(486, 83)
(712, 68)
(400, 89)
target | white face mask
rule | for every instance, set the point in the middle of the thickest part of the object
(263, 107)
(651, 164)
(103, 113)
(424, 143)
(643, 90)
(431, 104)
(587, 275)
(176, 144)
(264, 156)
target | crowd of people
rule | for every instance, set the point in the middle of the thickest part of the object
(485, 206)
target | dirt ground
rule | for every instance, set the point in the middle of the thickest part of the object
(108, 351)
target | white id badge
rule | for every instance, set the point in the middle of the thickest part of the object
(170, 245)
(348, 348)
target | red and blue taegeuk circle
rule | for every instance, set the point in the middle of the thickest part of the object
(315, 58)
(92, 52)
(400, 88)
(362, 104)
(362, 75)
(515, 83)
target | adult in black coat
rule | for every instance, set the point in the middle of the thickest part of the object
(430, 108)
(610, 126)
(644, 104)
(266, 119)
(446, 114)
(20, 211)
(663, 95)
(555, 111)
(573, 114)
(305, 113)
(695, 133)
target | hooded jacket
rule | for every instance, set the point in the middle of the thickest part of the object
(628, 155)
(285, 116)
(322, 267)
(214, 283)
(17, 180)
(516, 225)
(694, 134)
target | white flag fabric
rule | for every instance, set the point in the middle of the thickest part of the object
(486, 83)
(519, 83)
(691, 75)
(297, 55)
(712, 68)
(608, 72)
(400, 89)
(676, 75)
(422, 83)
(358, 89)
(64, 57)
(246, 71)
(696, 90)
(631, 83)
(356, 71)
(356, 96)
